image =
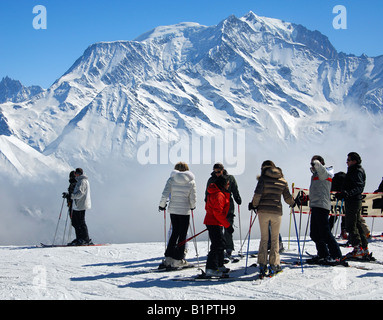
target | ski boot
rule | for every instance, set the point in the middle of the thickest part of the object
(262, 271)
(274, 269)
(357, 254)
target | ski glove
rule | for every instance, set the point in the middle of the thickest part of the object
(162, 208)
(301, 199)
(230, 229)
(66, 195)
(251, 207)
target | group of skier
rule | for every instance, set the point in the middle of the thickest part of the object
(222, 191)
(180, 188)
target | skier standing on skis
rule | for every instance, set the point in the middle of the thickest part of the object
(219, 170)
(267, 200)
(181, 189)
(328, 251)
(217, 206)
(352, 195)
(82, 202)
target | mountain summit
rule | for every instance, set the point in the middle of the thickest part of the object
(274, 78)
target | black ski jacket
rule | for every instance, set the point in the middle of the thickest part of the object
(354, 182)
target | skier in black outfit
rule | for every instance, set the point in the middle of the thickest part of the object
(337, 186)
(352, 195)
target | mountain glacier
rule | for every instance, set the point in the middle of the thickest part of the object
(275, 79)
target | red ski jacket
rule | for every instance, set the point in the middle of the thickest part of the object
(217, 207)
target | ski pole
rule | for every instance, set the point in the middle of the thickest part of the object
(66, 223)
(288, 246)
(292, 191)
(54, 238)
(307, 226)
(244, 240)
(195, 240)
(240, 231)
(187, 240)
(165, 228)
(248, 241)
(70, 224)
(299, 249)
(300, 219)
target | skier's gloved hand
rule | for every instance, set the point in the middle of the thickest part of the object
(162, 208)
(301, 199)
(230, 229)
(66, 195)
(251, 207)
(192, 209)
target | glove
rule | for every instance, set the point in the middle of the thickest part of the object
(251, 207)
(192, 209)
(230, 229)
(66, 195)
(301, 199)
(161, 208)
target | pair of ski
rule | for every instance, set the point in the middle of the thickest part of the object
(42, 245)
(162, 268)
(225, 278)
(344, 262)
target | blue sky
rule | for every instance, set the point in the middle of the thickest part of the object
(42, 56)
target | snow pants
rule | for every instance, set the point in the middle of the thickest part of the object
(79, 225)
(180, 225)
(354, 223)
(274, 221)
(229, 236)
(216, 254)
(321, 234)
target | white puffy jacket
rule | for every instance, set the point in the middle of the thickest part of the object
(81, 194)
(181, 190)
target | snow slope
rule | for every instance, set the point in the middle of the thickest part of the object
(120, 271)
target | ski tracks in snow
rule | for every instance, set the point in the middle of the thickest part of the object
(122, 271)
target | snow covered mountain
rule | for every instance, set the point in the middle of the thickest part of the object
(274, 78)
(14, 91)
